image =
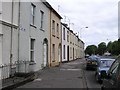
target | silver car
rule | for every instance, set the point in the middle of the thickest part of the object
(102, 68)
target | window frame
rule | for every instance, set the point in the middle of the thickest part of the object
(64, 53)
(53, 52)
(57, 30)
(41, 19)
(33, 8)
(53, 27)
(32, 50)
(63, 33)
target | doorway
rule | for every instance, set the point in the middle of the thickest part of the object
(59, 53)
(73, 53)
(67, 53)
(45, 53)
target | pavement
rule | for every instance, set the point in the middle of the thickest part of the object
(11, 83)
(67, 75)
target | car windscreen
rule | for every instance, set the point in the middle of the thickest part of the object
(106, 63)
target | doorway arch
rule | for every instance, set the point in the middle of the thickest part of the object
(45, 52)
(59, 53)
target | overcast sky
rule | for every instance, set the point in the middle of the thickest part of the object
(100, 16)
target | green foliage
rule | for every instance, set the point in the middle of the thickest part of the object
(91, 49)
(109, 47)
(101, 48)
(112, 47)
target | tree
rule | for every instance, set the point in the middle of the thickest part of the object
(115, 48)
(91, 49)
(109, 47)
(101, 48)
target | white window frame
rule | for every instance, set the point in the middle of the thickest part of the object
(63, 33)
(33, 14)
(42, 19)
(32, 50)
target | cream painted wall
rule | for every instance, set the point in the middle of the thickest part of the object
(55, 40)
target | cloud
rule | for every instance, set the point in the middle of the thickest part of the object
(101, 16)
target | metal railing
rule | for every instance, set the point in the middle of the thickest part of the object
(9, 70)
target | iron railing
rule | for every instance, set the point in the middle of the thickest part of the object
(9, 70)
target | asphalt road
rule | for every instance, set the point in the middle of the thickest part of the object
(67, 75)
(90, 79)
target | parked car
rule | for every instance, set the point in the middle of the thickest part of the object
(112, 79)
(86, 56)
(92, 62)
(103, 67)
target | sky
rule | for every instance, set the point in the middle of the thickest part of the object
(100, 16)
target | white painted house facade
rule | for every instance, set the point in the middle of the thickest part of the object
(8, 38)
(65, 42)
(34, 34)
(24, 37)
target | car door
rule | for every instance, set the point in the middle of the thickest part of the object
(110, 81)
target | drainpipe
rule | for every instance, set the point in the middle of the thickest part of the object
(11, 55)
(18, 33)
(50, 38)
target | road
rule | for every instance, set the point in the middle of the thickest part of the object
(90, 79)
(67, 75)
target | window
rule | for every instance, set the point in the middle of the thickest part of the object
(57, 29)
(53, 27)
(53, 52)
(41, 22)
(113, 69)
(64, 51)
(68, 36)
(64, 33)
(32, 50)
(33, 14)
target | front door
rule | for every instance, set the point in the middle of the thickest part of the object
(67, 53)
(45, 55)
(59, 54)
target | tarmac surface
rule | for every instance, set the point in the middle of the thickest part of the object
(67, 75)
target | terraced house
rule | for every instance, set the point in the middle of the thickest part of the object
(25, 36)
(55, 38)
(9, 28)
(72, 46)
(32, 37)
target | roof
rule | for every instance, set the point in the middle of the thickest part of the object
(52, 9)
(65, 25)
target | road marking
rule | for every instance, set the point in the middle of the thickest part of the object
(71, 69)
(38, 79)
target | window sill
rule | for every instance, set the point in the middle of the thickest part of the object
(53, 35)
(33, 26)
(42, 29)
